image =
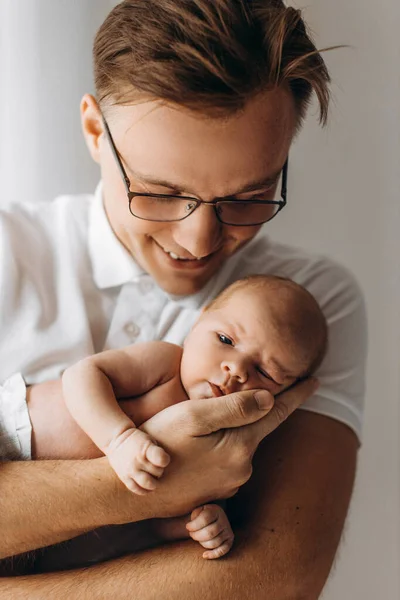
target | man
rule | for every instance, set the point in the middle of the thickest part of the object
(196, 106)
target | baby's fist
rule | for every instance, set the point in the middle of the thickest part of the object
(137, 460)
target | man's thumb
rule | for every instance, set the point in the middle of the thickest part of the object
(264, 399)
(234, 410)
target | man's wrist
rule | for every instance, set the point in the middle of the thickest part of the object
(119, 505)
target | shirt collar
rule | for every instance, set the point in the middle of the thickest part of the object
(111, 262)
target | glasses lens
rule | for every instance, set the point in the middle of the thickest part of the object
(175, 208)
(246, 212)
(154, 208)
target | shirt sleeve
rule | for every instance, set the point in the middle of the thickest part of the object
(343, 371)
(15, 425)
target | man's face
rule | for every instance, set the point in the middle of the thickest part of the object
(169, 150)
(235, 347)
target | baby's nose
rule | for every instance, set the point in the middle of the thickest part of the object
(236, 369)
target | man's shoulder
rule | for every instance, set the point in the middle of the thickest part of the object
(342, 373)
(328, 280)
(34, 240)
(33, 227)
(23, 213)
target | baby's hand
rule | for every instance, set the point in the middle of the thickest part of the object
(137, 460)
(210, 527)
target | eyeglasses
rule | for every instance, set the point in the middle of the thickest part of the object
(167, 207)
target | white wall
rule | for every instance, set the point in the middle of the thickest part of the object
(343, 201)
(45, 67)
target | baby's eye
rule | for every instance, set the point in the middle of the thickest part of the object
(265, 374)
(224, 339)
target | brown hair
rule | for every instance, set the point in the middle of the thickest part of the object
(294, 314)
(209, 56)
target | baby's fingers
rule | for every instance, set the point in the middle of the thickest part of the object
(203, 516)
(207, 533)
(157, 456)
(218, 552)
(157, 472)
(134, 487)
(146, 481)
(218, 540)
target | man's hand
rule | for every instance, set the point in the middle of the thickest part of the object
(211, 443)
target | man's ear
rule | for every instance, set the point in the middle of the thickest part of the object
(92, 125)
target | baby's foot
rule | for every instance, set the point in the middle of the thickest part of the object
(210, 526)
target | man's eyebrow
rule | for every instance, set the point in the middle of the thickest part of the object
(177, 187)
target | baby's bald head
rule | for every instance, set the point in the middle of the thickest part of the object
(292, 312)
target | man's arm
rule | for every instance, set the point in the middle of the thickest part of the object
(44, 502)
(290, 517)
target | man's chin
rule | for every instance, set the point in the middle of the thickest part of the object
(182, 284)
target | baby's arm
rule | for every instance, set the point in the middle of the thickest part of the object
(210, 526)
(90, 390)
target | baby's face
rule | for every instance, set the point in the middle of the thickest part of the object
(234, 348)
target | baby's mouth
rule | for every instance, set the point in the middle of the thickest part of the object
(215, 390)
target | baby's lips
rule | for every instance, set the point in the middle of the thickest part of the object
(215, 390)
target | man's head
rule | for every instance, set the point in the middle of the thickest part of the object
(203, 99)
(261, 332)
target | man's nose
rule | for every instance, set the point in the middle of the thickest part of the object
(201, 232)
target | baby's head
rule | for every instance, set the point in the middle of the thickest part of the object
(260, 332)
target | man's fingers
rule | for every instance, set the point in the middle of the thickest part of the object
(284, 405)
(225, 412)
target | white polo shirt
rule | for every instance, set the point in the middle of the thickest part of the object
(68, 289)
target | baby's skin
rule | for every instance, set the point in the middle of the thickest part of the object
(56, 435)
(252, 338)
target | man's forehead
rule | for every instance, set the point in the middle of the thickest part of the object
(176, 184)
(165, 145)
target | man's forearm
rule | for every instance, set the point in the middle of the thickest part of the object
(292, 513)
(176, 571)
(46, 502)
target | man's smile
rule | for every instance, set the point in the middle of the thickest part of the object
(178, 261)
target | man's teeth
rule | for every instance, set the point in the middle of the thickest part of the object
(176, 257)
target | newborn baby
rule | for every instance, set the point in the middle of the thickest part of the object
(261, 332)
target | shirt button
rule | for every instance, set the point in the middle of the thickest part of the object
(145, 286)
(132, 330)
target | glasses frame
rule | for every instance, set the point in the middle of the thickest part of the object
(215, 203)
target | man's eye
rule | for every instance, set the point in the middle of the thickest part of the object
(224, 339)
